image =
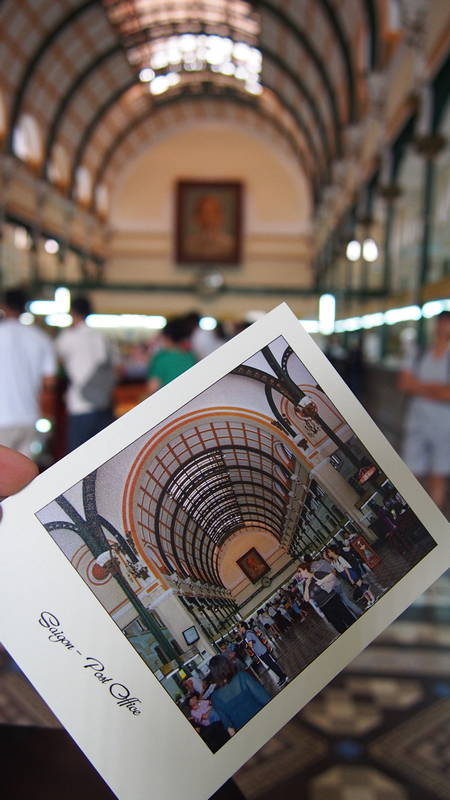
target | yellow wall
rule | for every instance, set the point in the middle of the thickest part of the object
(276, 212)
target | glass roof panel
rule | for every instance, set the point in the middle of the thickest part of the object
(165, 40)
(134, 16)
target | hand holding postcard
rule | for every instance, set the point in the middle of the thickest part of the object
(198, 571)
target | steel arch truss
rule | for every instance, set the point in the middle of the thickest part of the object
(319, 99)
(207, 483)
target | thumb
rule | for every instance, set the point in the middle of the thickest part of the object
(16, 471)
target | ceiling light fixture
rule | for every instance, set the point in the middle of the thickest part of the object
(353, 251)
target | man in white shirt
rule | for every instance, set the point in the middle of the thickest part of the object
(27, 367)
(426, 378)
(85, 351)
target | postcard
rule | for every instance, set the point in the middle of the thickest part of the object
(183, 583)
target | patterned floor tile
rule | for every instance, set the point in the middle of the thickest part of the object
(382, 660)
(360, 783)
(387, 692)
(292, 750)
(338, 712)
(420, 749)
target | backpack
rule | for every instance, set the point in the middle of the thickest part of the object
(99, 387)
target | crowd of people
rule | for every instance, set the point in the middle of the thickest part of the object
(232, 692)
(87, 363)
(92, 367)
(337, 586)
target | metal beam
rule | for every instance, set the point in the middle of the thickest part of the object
(187, 288)
(372, 25)
(229, 97)
(315, 57)
(103, 109)
(33, 63)
(76, 84)
(172, 481)
(142, 36)
(14, 219)
(333, 18)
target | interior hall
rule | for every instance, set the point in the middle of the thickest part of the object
(171, 171)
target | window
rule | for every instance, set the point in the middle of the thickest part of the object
(102, 199)
(58, 168)
(221, 39)
(2, 116)
(83, 185)
(286, 455)
(27, 140)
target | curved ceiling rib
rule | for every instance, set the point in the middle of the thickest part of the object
(129, 128)
(372, 27)
(119, 91)
(332, 17)
(166, 99)
(41, 50)
(185, 98)
(145, 34)
(319, 98)
(76, 84)
(211, 495)
(306, 44)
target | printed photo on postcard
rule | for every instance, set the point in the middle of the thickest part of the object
(235, 541)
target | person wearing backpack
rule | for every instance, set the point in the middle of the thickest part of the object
(426, 379)
(90, 363)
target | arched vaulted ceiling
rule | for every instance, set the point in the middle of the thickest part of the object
(74, 66)
(214, 478)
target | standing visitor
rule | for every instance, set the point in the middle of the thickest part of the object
(27, 368)
(174, 357)
(238, 696)
(261, 651)
(325, 567)
(345, 570)
(268, 623)
(193, 684)
(203, 342)
(358, 564)
(90, 365)
(320, 590)
(426, 379)
(296, 602)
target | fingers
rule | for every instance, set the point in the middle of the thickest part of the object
(16, 471)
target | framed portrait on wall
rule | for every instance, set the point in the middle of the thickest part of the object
(253, 565)
(208, 222)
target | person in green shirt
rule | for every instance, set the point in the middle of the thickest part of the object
(174, 358)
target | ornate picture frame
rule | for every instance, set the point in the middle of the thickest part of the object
(208, 222)
(253, 565)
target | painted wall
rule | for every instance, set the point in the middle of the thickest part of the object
(276, 214)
